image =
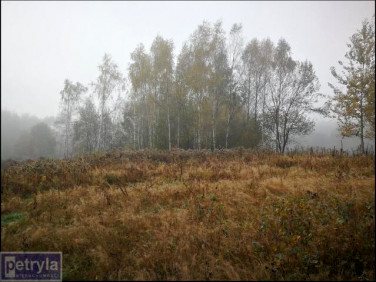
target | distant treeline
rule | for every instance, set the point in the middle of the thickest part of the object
(26, 136)
(219, 92)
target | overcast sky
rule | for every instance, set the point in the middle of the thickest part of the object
(42, 43)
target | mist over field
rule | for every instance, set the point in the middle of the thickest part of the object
(188, 140)
(72, 48)
(326, 135)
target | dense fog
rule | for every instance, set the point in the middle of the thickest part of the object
(16, 137)
(223, 75)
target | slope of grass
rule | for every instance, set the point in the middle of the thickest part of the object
(229, 215)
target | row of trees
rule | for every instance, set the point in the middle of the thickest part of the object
(219, 93)
(86, 127)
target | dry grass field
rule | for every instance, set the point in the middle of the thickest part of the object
(182, 215)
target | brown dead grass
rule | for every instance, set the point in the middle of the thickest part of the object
(232, 215)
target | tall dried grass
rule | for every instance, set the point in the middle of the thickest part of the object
(185, 215)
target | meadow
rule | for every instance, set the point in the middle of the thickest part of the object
(196, 215)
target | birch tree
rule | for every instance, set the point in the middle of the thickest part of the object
(182, 98)
(234, 49)
(293, 93)
(198, 72)
(354, 106)
(86, 128)
(70, 98)
(218, 74)
(162, 69)
(109, 78)
(140, 76)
